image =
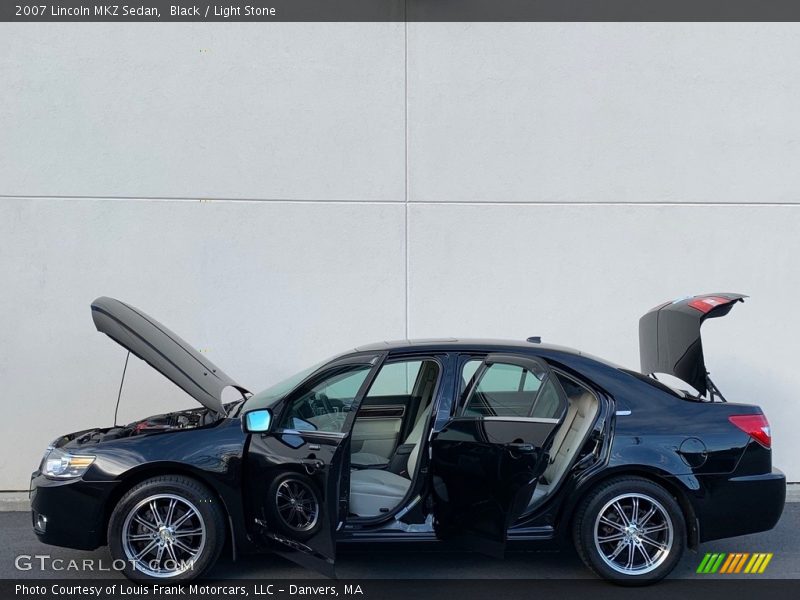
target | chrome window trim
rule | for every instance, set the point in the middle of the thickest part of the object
(328, 434)
(513, 419)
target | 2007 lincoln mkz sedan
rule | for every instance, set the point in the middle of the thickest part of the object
(482, 443)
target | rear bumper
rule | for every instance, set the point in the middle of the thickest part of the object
(69, 513)
(731, 506)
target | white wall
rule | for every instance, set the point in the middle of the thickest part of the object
(277, 193)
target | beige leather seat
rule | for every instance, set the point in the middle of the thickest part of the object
(366, 459)
(375, 491)
(568, 440)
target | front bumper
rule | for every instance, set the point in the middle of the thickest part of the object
(70, 513)
(732, 506)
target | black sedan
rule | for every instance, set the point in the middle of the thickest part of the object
(481, 443)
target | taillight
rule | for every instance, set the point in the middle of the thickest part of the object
(756, 426)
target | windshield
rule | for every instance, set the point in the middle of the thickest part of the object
(269, 396)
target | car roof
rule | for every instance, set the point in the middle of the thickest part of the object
(464, 345)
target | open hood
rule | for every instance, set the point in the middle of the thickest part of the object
(164, 351)
(669, 336)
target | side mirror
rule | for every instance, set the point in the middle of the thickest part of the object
(257, 421)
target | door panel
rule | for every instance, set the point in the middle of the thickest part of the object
(379, 424)
(499, 430)
(486, 461)
(313, 458)
(297, 474)
(376, 435)
(383, 410)
(483, 484)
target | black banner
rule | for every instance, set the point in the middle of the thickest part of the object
(400, 10)
(719, 588)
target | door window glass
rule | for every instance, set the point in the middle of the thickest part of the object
(325, 405)
(504, 390)
(572, 389)
(548, 403)
(395, 379)
(468, 371)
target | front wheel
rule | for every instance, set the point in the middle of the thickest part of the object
(169, 527)
(630, 531)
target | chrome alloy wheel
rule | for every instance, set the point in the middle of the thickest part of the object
(297, 505)
(163, 535)
(633, 534)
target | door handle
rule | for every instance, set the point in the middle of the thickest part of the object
(521, 447)
(312, 465)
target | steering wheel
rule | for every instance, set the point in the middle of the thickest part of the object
(327, 419)
(324, 401)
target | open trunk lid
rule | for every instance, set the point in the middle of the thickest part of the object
(163, 350)
(670, 341)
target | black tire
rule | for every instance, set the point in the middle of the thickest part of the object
(191, 501)
(662, 535)
(286, 522)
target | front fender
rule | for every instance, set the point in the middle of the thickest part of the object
(212, 455)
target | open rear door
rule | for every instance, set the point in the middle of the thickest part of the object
(487, 459)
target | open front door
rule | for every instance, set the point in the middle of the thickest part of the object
(297, 474)
(487, 459)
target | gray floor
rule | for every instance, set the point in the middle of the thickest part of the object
(18, 539)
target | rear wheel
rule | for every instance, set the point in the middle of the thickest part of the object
(630, 531)
(168, 527)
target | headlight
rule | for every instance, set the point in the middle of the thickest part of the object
(63, 465)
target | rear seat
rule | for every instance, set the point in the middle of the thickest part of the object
(570, 436)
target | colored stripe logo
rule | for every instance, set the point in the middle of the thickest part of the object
(735, 562)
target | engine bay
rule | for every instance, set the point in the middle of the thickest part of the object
(174, 421)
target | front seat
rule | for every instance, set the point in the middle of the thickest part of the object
(374, 492)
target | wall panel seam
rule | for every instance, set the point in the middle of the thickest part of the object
(406, 202)
(405, 139)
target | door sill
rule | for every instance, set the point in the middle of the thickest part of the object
(397, 513)
(543, 532)
(357, 536)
